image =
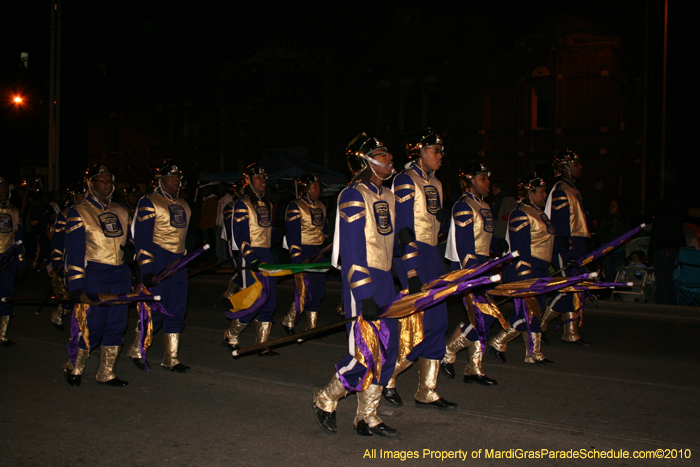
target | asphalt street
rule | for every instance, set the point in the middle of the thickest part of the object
(636, 389)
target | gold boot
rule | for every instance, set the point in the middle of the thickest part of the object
(134, 350)
(570, 328)
(74, 372)
(389, 392)
(170, 361)
(456, 343)
(325, 401)
(262, 335)
(537, 356)
(327, 397)
(367, 403)
(497, 345)
(473, 373)
(427, 380)
(232, 334)
(311, 319)
(548, 316)
(288, 322)
(4, 323)
(108, 360)
(367, 422)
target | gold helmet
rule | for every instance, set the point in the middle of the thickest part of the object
(95, 170)
(305, 182)
(529, 182)
(167, 168)
(469, 171)
(358, 152)
(250, 171)
(420, 140)
(562, 159)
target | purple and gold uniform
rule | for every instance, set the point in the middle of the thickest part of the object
(418, 201)
(565, 209)
(58, 241)
(251, 230)
(159, 230)
(469, 242)
(11, 231)
(531, 234)
(95, 235)
(363, 246)
(307, 230)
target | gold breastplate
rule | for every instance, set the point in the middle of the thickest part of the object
(426, 204)
(259, 224)
(379, 226)
(483, 225)
(577, 218)
(9, 223)
(541, 233)
(105, 232)
(171, 222)
(312, 221)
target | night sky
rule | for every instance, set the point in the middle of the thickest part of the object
(118, 53)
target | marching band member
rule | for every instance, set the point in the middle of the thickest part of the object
(98, 248)
(252, 234)
(419, 213)
(307, 232)
(364, 243)
(531, 234)
(565, 208)
(160, 229)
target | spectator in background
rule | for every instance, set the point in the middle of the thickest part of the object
(666, 239)
(207, 222)
(613, 224)
(225, 197)
(502, 205)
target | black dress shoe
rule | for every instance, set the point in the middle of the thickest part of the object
(448, 369)
(231, 347)
(392, 395)
(179, 368)
(73, 380)
(9, 343)
(140, 364)
(480, 379)
(580, 342)
(116, 382)
(289, 330)
(325, 419)
(363, 429)
(440, 404)
(545, 339)
(500, 356)
(544, 362)
(267, 353)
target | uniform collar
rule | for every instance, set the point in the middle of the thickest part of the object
(568, 182)
(308, 201)
(97, 203)
(478, 199)
(164, 193)
(531, 204)
(373, 188)
(417, 168)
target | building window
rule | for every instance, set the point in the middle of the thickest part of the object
(541, 106)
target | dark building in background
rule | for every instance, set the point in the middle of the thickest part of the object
(562, 84)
